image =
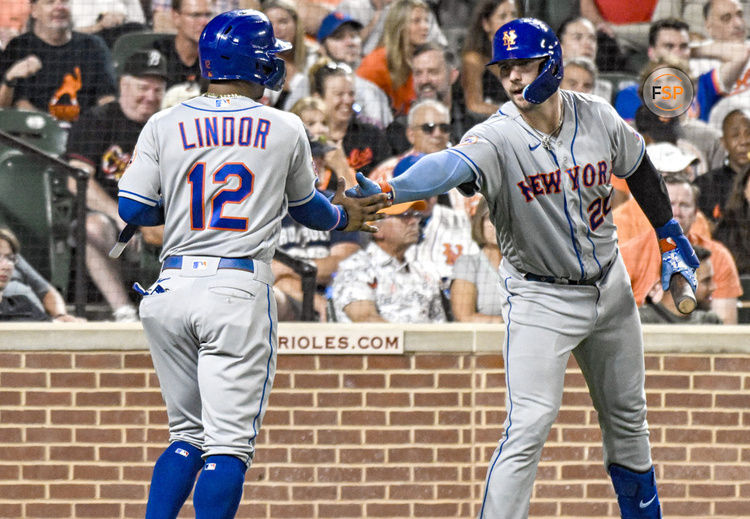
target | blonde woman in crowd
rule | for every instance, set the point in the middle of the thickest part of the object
(389, 65)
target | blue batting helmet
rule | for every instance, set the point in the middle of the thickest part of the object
(240, 45)
(528, 38)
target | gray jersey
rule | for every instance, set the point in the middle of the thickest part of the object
(552, 206)
(226, 168)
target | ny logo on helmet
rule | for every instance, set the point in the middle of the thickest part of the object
(509, 38)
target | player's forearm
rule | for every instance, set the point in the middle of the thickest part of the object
(319, 213)
(432, 175)
(650, 191)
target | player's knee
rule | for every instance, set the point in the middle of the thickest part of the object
(636, 493)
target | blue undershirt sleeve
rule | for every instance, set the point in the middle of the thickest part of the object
(320, 214)
(432, 175)
(138, 213)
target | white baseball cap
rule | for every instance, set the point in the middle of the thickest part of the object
(668, 158)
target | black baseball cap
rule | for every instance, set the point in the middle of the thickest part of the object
(149, 62)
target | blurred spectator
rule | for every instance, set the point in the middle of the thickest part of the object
(364, 144)
(627, 22)
(643, 259)
(553, 12)
(435, 77)
(324, 249)
(690, 135)
(578, 39)
(660, 308)
(475, 296)
(288, 26)
(733, 229)
(181, 49)
(181, 92)
(727, 32)
(668, 46)
(330, 162)
(427, 131)
(107, 18)
(389, 66)
(14, 15)
(51, 68)
(102, 143)
(483, 92)
(372, 14)
(27, 281)
(445, 236)
(340, 41)
(18, 307)
(668, 159)
(716, 185)
(579, 75)
(379, 283)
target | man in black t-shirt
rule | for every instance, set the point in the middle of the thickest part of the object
(102, 142)
(181, 50)
(716, 185)
(51, 68)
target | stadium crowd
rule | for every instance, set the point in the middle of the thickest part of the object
(378, 84)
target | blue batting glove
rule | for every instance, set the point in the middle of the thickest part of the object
(364, 188)
(677, 255)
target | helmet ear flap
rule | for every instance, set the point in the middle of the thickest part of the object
(547, 81)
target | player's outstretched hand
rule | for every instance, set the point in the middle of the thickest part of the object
(677, 255)
(360, 210)
(365, 187)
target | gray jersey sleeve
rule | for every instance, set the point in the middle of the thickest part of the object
(141, 181)
(300, 183)
(627, 144)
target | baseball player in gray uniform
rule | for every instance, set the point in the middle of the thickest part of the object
(219, 171)
(544, 163)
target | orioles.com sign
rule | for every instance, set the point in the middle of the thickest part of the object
(351, 343)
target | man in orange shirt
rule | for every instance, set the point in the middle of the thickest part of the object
(668, 159)
(643, 259)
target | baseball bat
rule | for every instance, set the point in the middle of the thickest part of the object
(122, 240)
(682, 294)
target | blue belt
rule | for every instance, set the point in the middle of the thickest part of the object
(559, 281)
(175, 262)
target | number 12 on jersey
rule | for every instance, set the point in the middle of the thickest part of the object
(196, 177)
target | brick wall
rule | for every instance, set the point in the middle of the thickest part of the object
(364, 436)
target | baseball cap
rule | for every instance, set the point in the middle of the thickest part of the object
(417, 205)
(406, 162)
(333, 21)
(668, 158)
(145, 63)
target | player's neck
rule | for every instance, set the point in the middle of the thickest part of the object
(545, 117)
(235, 88)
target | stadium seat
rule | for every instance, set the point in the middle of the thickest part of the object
(131, 42)
(34, 200)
